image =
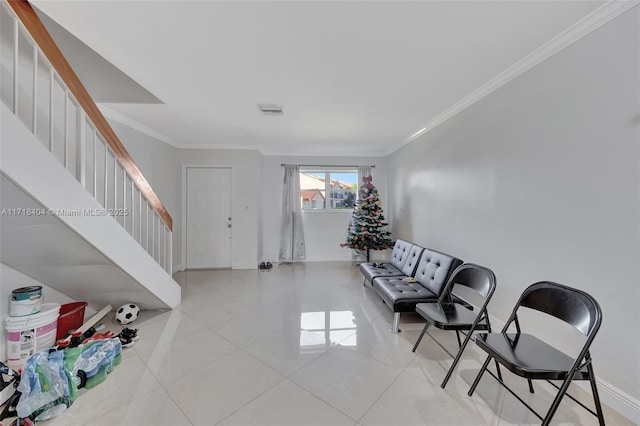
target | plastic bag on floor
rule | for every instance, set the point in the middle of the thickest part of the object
(94, 359)
(50, 381)
(46, 385)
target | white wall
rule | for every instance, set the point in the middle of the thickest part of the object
(245, 197)
(540, 181)
(256, 197)
(163, 166)
(324, 231)
(158, 163)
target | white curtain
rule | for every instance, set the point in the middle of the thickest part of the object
(292, 246)
(361, 255)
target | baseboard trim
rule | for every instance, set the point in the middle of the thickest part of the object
(613, 397)
(244, 266)
(619, 400)
(330, 258)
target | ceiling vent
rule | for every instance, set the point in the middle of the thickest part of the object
(269, 109)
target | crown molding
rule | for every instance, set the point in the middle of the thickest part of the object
(133, 124)
(117, 117)
(222, 146)
(584, 26)
(322, 154)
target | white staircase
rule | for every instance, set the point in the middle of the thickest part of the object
(76, 214)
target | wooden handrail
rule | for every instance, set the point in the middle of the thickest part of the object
(50, 49)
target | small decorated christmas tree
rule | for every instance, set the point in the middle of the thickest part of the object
(367, 230)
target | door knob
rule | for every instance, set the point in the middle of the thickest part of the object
(229, 226)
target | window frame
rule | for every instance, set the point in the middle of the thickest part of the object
(328, 191)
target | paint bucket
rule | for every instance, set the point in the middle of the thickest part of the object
(25, 301)
(27, 335)
(71, 318)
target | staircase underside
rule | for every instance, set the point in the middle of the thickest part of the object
(46, 249)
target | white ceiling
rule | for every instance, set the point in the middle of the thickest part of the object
(355, 78)
(103, 81)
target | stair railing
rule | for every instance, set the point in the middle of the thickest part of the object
(38, 85)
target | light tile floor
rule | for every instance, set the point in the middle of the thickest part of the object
(302, 344)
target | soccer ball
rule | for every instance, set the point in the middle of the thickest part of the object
(127, 313)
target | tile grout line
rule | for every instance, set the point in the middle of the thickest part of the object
(160, 382)
(259, 395)
(161, 387)
(380, 396)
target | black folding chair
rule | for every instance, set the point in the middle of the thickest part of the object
(531, 358)
(453, 312)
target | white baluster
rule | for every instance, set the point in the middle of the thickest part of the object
(66, 127)
(51, 90)
(160, 246)
(95, 164)
(35, 88)
(124, 198)
(106, 164)
(170, 252)
(170, 266)
(16, 36)
(153, 234)
(159, 240)
(115, 182)
(149, 230)
(81, 163)
(163, 238)
(133, 210)
(140, 215)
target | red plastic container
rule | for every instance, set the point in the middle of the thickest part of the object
(71, 318)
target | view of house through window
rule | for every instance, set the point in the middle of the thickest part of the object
(334, 189)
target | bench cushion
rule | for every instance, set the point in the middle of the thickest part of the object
(370, 272)
(401, 296)
(433, 270)
(411, 264)
(402, 251)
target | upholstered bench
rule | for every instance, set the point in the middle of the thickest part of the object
(404, 259)
(432, 272)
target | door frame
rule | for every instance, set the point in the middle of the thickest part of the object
(183, 227)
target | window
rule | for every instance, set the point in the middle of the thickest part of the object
(319, 330)
(328, 189)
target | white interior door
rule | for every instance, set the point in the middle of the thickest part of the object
(208, 217)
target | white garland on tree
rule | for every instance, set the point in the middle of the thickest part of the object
(368, 229)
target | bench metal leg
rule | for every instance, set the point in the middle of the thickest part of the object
(395, 328)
